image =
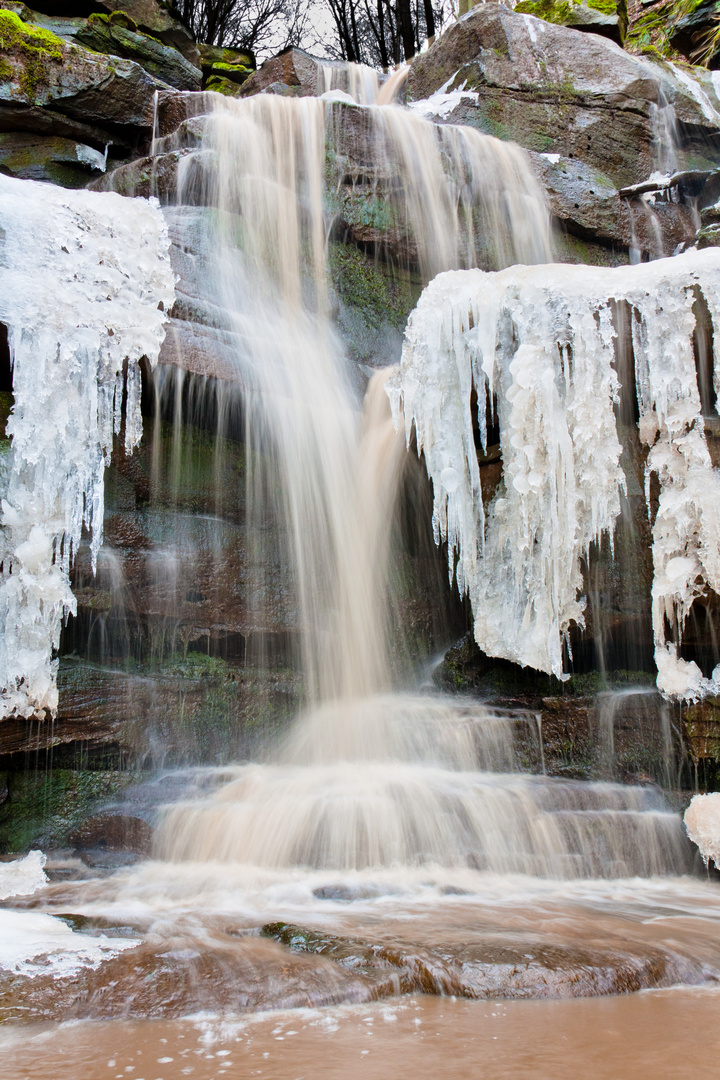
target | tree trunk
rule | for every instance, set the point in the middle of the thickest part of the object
(407, 34)
(429, 21)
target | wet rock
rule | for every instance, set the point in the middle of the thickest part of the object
(117, 35)
(57, 160)
(218, 973)
(44, 807)
(114, 832)
(556, 90)
(701, 728)
(174, 107)
(343, 893)
(606, 17)
(495, 967)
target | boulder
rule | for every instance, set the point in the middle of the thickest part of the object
(222, 66)
(292, 71)
(57, 160)
(117, 36)
(39, 69)
(223, 73)
(585, 201)
(556, 90)
(161, 20)
(606, 17)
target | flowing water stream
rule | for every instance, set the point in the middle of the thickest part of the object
(395, 841)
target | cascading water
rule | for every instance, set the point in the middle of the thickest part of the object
(365, 780)
(418, 833)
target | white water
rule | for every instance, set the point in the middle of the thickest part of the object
(85, 280)
(542, 340)
(412, 802)
(331, 486)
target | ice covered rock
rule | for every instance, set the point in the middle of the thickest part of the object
(542, 339)
(702, 821)
(85, 280)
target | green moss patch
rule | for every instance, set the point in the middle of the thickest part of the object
(35, 47)
(43, 808)
(218, 85)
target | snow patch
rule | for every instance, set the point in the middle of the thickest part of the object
(33, 944)
(443, 103)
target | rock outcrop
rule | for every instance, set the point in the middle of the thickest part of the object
(594, 117)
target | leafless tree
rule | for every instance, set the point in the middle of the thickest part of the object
(260, 25)
(383, 32)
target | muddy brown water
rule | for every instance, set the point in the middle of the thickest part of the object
(667, 1035)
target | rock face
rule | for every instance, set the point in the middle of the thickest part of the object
(695, 34)
(90, 80)
(593, 114)
(606, 17)
(108, 35)
(589, 115)
(292, 72)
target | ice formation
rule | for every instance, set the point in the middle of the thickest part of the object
(21, 877)
(702, 822)
(34, 944)
(541, 338)
(85, 280)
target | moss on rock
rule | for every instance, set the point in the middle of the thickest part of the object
(34, 47)
(219, 85)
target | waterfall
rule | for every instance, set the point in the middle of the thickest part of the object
(265, 167)
(542, 339)
(366, 778)
(85, 282)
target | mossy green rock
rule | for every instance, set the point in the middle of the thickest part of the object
(43, 808)
(218, 84)
(117, 35)
(236, 73)
(606, 17)
(38, 68)
(158, 19)
(217, 54)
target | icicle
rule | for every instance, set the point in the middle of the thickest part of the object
(85, 280)
(542, 338)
